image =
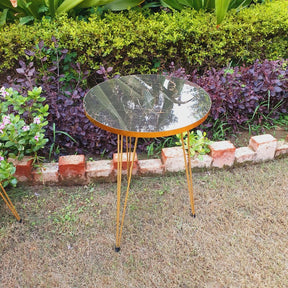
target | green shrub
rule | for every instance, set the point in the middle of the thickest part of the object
(22, 122)
(134, 42)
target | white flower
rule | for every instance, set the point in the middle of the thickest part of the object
(6, 120)
(25, 128)
(36, 120)
(3, 92)
(2, 126)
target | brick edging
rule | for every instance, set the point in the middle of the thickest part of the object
(74, 170)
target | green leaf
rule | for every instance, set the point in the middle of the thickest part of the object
(30, 7)
(12, 155)
(3, 17)
(67, 5)
(26, 19)
(9, 144)
(43, 9)
(221, 7)
(239, 4)
(118, 5)
(93, 3)
(174, 4)
(13, 181)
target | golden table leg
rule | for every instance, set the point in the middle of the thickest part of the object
(130, 162)
(8, 202)
(187, 158)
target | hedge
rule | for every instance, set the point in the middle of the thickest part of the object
(137, 42)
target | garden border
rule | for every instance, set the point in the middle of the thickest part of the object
(75, 170)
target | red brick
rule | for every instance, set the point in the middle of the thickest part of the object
(124, 161)
(264, 146)
(151, 167)
(23, 168)
(244, 154)
(72, 169)
(223, 153)
(282, 148)
(173, 159)
(46, 174)
(100, 170)
(201, 161)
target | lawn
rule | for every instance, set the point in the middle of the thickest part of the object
(238, 238)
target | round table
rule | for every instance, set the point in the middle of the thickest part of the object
(146, 106)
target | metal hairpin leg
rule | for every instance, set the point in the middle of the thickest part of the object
(8, 202)
(130, 162)
(187, 158)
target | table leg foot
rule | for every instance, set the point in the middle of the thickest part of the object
(117, 249)
(193, 215)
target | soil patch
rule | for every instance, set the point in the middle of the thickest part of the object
(242, 138)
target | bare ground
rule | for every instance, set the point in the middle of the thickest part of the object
(238, 239)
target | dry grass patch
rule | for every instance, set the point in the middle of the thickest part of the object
(238, 239)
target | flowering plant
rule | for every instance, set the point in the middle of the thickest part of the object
(22, 121)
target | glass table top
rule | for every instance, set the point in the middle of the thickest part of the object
(147, 105)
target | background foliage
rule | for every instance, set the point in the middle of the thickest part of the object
(138, 42)
(245, 96)
(220, 6)
(242, 97)
(26, 11)
(237, 63)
